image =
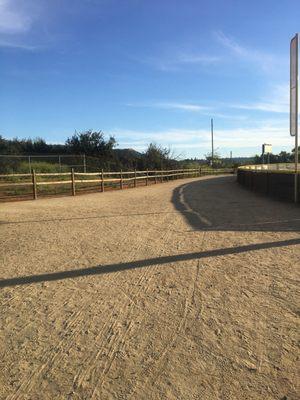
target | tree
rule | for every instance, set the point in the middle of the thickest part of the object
(91, 143)
(216, 161)
(158, 157)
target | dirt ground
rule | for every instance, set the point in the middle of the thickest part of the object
(182, 290)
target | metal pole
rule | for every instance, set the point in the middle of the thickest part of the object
(296, 129)
(296, 165)
(212, 141)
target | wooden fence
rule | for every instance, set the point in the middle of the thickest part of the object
(33, 185)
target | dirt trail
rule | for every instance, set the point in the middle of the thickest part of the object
(183, 290)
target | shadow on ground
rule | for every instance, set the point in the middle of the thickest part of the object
(212, 204)
(106, 269)
(221, 204)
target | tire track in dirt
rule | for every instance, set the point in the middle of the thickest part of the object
(61, 348)
(174, 333)
(117, 344)
(89, 366)
(91, 361)
(47, 360)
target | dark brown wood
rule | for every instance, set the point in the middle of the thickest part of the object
(121, 180)
(155, 177)
(135, 178)
(73, 182)
(147, 177)
(34, 187)
(102, 181)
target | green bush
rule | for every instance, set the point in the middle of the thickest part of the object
(42, 167)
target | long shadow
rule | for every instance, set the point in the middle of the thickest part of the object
(107, 269)
(220, 204)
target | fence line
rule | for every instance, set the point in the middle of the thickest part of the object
(103, 180)
(276, 167)
(279, 182)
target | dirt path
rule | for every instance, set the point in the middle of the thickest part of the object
(183, 290)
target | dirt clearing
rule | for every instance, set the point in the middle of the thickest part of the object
(183, 290)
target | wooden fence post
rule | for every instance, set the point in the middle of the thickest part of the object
(121, 180)
(155, 177)
(73, 182)
(134, 178)
(102, 181)
(34, 186)
(147, 177)
(161, 176)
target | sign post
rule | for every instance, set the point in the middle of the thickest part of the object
(212, 141)
(266, 149)
(294, 104)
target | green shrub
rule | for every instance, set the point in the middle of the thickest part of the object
(42, 167)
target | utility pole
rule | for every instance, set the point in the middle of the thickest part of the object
(294, 105)
(296, 126)
(212, 141)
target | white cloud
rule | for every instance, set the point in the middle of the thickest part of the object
(172, 106)
(190, 107)
(173, 60)
(13, 18)
(189, 140)
(9, 44)
(277, 101)
(265, 61)
(16, 22)
(184, 107)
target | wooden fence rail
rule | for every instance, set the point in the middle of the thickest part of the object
(103, 180)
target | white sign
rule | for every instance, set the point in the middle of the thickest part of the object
(294, 86)
(266, 148)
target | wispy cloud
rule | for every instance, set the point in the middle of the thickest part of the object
(211, 111)
(13, 18)
(264, 60)
(173, 59)
(21, 46)
(276, 102)
(16, 21)
(275, 132)
(172, 106)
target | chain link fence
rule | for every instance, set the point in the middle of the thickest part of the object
(11, 164)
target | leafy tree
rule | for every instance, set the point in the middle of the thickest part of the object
(158, 157)
(216, 161)
(91, 143)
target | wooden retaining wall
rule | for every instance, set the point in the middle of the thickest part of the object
(274, 183)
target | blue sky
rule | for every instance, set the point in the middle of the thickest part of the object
(149, 71)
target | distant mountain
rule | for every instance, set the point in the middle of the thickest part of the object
(125, 153)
